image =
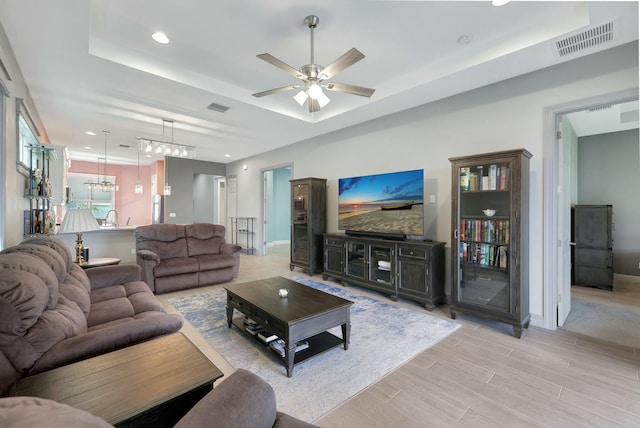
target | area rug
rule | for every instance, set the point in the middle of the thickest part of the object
(383, 336)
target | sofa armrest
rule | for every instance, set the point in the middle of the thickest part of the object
(243, 399)
(148, 260)
(106, 276)
(229, 249)
(148, 255)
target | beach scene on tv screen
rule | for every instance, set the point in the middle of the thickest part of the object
(382, 203)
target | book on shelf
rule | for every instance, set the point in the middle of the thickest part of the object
(278, 346)
(266, 336)
(384, 265)
(254, 329)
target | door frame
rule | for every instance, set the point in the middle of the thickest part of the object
(551, 173)
(262, 249)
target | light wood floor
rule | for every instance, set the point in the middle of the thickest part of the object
(481, 376)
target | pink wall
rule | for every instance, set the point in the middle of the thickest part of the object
(128, 203)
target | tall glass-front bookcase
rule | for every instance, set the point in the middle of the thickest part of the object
(490, 231)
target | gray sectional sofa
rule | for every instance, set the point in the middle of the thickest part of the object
(53, 313)
(175, 257)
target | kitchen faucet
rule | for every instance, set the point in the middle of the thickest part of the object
(114, 219)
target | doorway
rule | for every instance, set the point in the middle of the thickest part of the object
(560, 192)
(276, 208)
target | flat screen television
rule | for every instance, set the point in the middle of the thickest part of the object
(390, 203)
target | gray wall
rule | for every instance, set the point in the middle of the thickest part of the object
(180, 173)
(609, 173)
(506, 115)
(203, 198)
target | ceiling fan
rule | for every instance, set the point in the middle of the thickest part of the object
(315, 76)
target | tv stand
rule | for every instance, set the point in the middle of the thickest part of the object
(398, 268)
(381, 235)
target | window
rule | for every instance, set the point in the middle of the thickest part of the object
(83, 196)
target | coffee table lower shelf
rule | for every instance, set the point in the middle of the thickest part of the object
(318, 344)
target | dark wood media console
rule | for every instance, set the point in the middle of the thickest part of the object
(399, 268)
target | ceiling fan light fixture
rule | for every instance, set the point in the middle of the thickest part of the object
(314, 91)
(322, 99)
(300, 97)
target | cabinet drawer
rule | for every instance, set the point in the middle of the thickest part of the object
(415, 252)
(240, 304)
(268, 322)
(334, 242)
(594, 257)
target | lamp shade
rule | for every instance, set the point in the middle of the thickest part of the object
(81, 220)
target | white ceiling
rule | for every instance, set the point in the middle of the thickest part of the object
(92, 65)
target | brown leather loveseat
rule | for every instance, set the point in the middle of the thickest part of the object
(175, 257)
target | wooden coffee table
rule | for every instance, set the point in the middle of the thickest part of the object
(153, 383)
(305, 314)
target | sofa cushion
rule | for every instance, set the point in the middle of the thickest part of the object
(214, 261)
(29, 263)
(204, 238)
(166, 240)
(54, 243)
(30, 412)
(23, 298)
(175, 266)
(47, 254)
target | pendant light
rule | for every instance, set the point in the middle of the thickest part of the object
(138, 188)
(167, 187)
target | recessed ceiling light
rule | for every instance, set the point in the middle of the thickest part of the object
(227, 155)
(88, 148)
(160, 37)
(499, 2)
(90, 133)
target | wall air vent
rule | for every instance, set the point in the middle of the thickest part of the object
(599, 108)
(125, 146)
(217, 107)
(586, 39)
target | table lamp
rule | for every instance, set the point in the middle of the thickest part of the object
(78, 221)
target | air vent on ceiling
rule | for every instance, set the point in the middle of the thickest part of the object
(599, 108)
(586, 39)
(217, 107)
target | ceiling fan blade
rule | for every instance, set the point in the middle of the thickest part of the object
(314, 105)
(275, 91)
(281, 65)
(352, 56)
(350, 89)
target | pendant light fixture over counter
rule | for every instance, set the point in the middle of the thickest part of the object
(138, 187)
(104, 185)
(151, 146)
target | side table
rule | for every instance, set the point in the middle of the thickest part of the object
(151, 384)
(97, 262)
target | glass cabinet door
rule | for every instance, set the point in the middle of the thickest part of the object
(356, 261)
(484, 222)
(300, 203)
(380, 264)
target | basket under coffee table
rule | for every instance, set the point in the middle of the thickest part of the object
(305, 314)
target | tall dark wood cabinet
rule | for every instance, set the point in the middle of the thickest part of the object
(308, 223)
(490, 230)
(593, 253)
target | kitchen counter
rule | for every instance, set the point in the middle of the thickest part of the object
(109, 241)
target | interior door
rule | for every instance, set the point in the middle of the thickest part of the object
(564, 224)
